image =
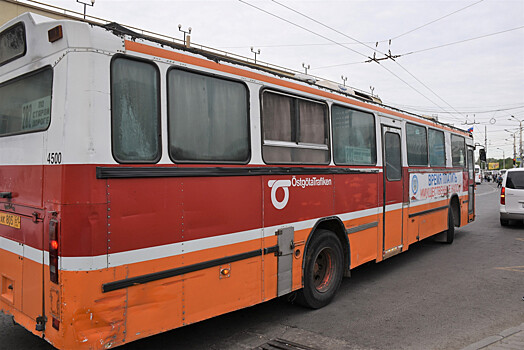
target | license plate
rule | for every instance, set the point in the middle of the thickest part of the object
(10, 220)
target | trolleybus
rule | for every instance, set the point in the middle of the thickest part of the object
(146, 185)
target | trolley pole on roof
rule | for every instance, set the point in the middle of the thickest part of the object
(85, 5)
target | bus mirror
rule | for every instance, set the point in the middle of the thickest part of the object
(482, 154)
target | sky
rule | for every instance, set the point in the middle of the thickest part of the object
(461, 61)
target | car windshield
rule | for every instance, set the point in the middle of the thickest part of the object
(515, 180)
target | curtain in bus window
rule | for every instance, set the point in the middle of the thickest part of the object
(135, 111)
(458, 151)
(294, 130)
(208, 118)
(437, 154)
(353, 137)
(278, 117)
(417, 145)
(25, 103)
(312, 123)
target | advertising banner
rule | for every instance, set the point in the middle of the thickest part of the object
(429, 186)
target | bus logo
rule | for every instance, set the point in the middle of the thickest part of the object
(275, 185)
(414, 184)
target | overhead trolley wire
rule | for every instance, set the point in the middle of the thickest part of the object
(436, 20)
(326, 38)
(368, 42)
(349, 37)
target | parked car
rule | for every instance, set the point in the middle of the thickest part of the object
(512, 196)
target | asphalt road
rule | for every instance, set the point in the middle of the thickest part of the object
(434, 296)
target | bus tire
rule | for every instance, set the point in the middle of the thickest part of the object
(323, 270)
(450, 233)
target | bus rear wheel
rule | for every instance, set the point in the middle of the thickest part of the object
(323, 270)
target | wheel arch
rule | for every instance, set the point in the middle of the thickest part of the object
(335, 225)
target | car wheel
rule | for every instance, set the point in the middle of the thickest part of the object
(504, 222)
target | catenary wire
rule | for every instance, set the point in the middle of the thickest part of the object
(402, 67)
(322, 36)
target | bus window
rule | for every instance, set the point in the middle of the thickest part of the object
(458, 151)
(135, 107)
(208, 118)
(12, 43)
(353, 137)
(417, 145)
(25, 103)
(294, 130)
(392, 156)
(437, 150)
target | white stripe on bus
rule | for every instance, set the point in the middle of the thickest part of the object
(89, 263)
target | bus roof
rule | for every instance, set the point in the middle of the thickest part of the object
(132, 34)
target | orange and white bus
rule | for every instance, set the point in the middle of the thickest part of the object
(146, 185)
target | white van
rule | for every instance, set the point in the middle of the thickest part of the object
(512, 196)
(478, 175)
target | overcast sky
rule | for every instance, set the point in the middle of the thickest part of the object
(480, 79)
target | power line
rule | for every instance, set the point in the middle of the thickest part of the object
(367, 42)
(322, 36)
(432, 48)
(436, 20)
(373, 59)
(463, 41)
(462, 111)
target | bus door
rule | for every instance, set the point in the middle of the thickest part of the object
(393, 191)
(471, 185)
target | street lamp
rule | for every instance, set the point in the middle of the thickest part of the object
(514, 144)
(86, 4)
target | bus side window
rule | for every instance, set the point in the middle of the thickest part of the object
(354, 137)
(294, 130)
(208, 118)
(135, 107)
(417, 143)
(458, 151)
(437, 149)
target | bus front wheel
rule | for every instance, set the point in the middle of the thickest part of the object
(323, 270)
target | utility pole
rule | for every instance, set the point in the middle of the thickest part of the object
(486, 146)
(514, 144)
(503, 158)
(520, 148)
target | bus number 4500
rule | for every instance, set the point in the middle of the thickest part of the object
(54, 158)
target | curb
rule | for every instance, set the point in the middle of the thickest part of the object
(495, 338)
